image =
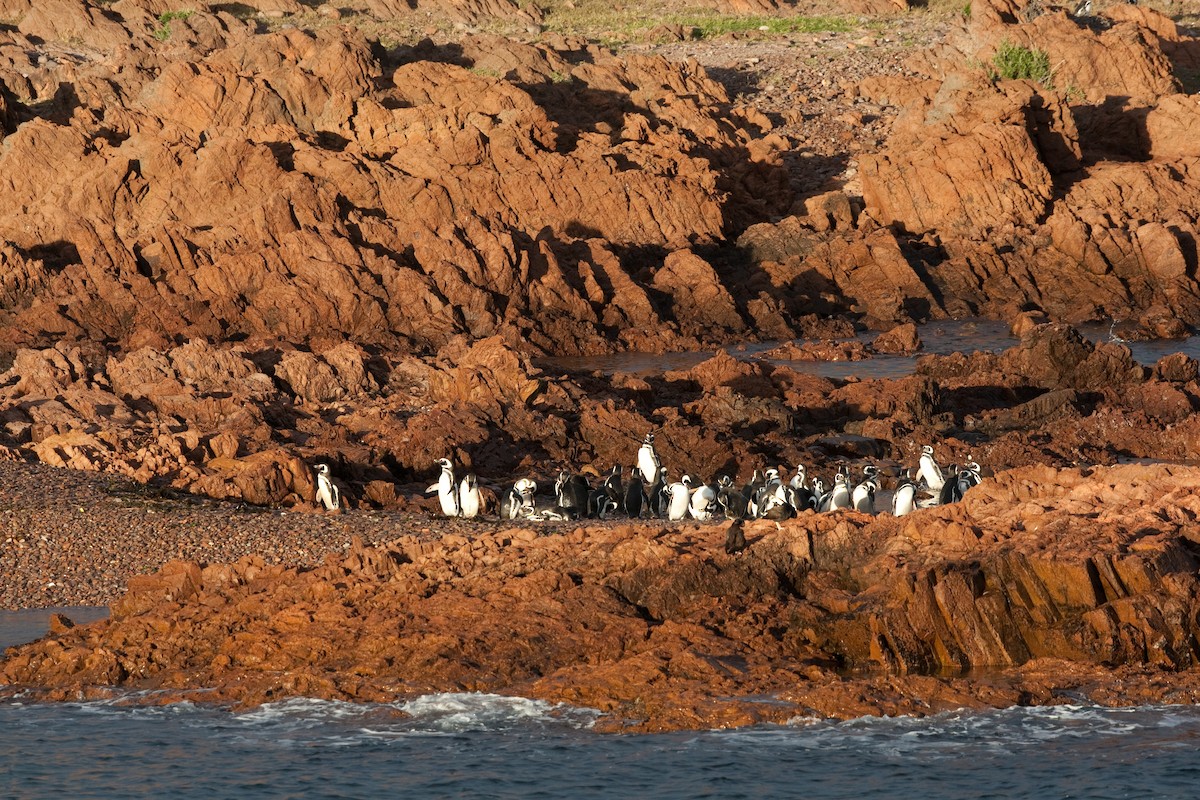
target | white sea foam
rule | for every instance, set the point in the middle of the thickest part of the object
(460, 712)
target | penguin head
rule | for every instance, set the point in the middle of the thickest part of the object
(725, 481)
(870, 471)
(927, 450)
(444, 463)
(772, 474)
(839, 479)
(686, 480)
(323, 469)
(649, 438)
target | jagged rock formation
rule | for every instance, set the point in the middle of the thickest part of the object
(242, 423)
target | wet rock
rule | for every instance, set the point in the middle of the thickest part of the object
(900, 340)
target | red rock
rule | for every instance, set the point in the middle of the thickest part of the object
(900, 340)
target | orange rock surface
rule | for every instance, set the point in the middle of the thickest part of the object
(1091, 571)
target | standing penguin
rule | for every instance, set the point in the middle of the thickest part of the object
(731, 501)
(863, 496)
(904, 499)
(446, 488)
(659, 494)
(613, 488)
(929, 471)
(839, 495)
(635, 495)
(647, 459)
(681, 495)
(572, 492)
(735, 538)
(469, 500)
(327, 494)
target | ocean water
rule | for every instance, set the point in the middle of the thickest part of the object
(941, 338)
(488, 746)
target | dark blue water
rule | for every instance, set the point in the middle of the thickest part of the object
(488, 746)
(941, 338)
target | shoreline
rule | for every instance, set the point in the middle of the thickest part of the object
(1046, 574)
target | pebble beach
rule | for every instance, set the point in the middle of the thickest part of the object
(73, 538)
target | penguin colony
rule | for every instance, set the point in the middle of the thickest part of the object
(648, 492)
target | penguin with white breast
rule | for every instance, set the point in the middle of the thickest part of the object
(863, 497)
(764, 494)
(929, 471)
(519, 503)
(446, 488)
(680, 493)
(839, 496)
(614, 489)
(800, 479)
(469, 499)
(647, 460)
(327, 493)
(904, 499)
(820, 497)
(703, 503)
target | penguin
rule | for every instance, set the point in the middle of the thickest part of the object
(572, 493)
(732, 502)
(635, 495)
(681, 495)
(750, 491)
(659, 494)
(519, 502)
(614, 489)
(735, 538)
(775, 508)
(863, 497)
(904, 498)
(929, 471)
(327, 494)
(600, 505)
(469, 501)
(647, 460)
(800, 479)
(839, 495)
(703, 503)
(446, 488)
(817, 503)
(964, 479)
(766, 491)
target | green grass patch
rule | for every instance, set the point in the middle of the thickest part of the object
(1014, 62)
(708, 27)
(615, 23)
(163, 31)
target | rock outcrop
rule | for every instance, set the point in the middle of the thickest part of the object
(1093, 571)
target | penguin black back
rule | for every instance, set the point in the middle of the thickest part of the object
(735, 538)
(635, 495)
